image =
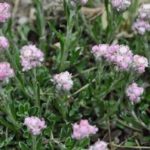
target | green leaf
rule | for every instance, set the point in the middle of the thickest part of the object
(23, 146)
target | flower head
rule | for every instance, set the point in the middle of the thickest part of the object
(4, 44)
(31, 57)
(139, 63)
(6, 71)
(111, 51)
(100, 51)
(134, 92)
(83, 129)
(123, 57)
(34, 124)
(4, 12)
(63, 81)
(144, 11)
(120, 5)
(99, 145)
(141, 26)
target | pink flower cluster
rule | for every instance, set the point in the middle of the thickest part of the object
(121, 56)
(139, 63)
(6, 71)
(34, 124)
(99, 145)
(31, 57)
(63, 81)
(144, 11)
(120, 5)
(4, 12)
(4, 44)
(134, 92)
(142, 24)
(100, 51)
(83, 129)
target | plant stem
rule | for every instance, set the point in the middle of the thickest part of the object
(131, 147)
(83, 88)
(109, 132)
(140, 122)
(36, 89)
(34, 144)
(85, 71)
(126, 125)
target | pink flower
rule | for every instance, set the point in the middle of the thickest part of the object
(34, 124)
(119, 55)
(83, 129)
(4, 12)
(99, 145)
(31, 57)
(141, 26)
(63, 81)
(144, 11)
(99, 51)
(134, 92)
(6, 71)
(112, 50)
(123, 57)
(120, 5)
(4, 44)
(139, 63)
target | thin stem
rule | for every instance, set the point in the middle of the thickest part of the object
(34, 143)
(131, 147)
(82, 88)
(138, 144)
(126, 125)
(36, 89)
(85, 71)
(56, 141)
(109, 132)
(140, 122)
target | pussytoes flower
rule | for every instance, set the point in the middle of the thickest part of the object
(31, 57)
(6, 71)
(4, 44)
(123, 57)
(144, 11)
(100, 50)
(4, 12)
(120, 5)
(63, 81)
(35, 124)
(141, 26)
(111, 52)
(120, 55)
(83, 129)
(99, 145)
(134, 92)
(139, 63)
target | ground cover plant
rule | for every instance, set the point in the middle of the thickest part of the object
(77, 79)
